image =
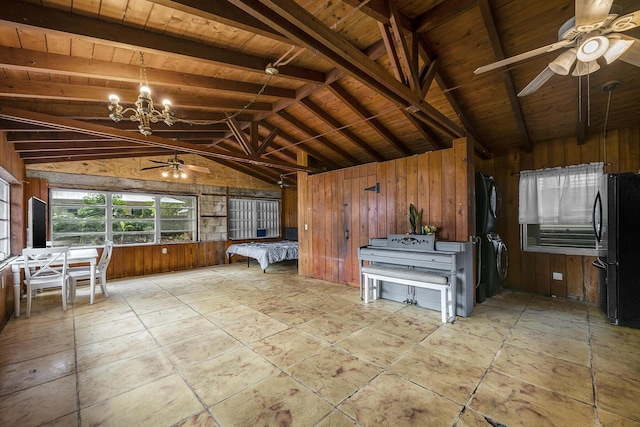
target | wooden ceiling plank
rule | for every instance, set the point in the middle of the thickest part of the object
(428, 134)
(496, 44)
(329, 163)
(340, 128)
(226, 13)
(369, 118)
(65, 65)
(318, 137)
(69, 92)
(154, 141)
(441, 14)
(34, 17)
(73, 145)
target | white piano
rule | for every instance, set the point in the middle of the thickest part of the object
(419, 253)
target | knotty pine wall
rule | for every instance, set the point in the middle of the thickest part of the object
(336, 215)
(532, 272)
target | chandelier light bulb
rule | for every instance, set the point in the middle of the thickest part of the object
(144, 90)
(166, 103)
(114, 99)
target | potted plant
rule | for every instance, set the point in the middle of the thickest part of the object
(415, 218)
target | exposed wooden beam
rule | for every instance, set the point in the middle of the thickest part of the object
(154, 141)
(240, 136)
(496, 44)
(291, 19)
(267, 142)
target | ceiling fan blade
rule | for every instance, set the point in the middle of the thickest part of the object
(153, 167)
(590, 12)
(626, 22)
(158, 161)
(537, 82)
(526, 55)
(200, 169)
(632, 55)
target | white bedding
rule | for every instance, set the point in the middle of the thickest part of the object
(266, 253)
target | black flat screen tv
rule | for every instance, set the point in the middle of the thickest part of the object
(37, 223)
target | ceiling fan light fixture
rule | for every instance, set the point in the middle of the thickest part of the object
(617, 47)
(165, 174)
(592, 48)
(584, 68)
(563, 63)
(183, 174)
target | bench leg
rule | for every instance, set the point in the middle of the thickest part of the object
(444, 304)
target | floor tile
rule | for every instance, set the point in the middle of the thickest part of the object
(255, 328)
(201, 348)
(565, 378)
(552, 345)
(113, 349)
(390, 400)
(276, 401)
(182, 329)
(104, 381)
(39, 370)
(333, 374)
(446, 375)
(471, 348)
(96, 332)
(331, 327)
(167, 315)
(39, 404)
(618, 395)
(217, 379)
(377, 347)
(410, 328)
(288, 347)
(165, 401)
(512, 402)
(554, 325)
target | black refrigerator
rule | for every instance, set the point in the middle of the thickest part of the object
(617, 225)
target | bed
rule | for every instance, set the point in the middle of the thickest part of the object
(266, 253)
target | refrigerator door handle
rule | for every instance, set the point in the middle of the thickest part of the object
(597, 217)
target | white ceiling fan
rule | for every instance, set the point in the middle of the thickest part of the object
(592, 34)
(177, 167)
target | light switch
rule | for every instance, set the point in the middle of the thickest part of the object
(557, 276)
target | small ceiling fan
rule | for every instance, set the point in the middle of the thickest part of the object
(281, 183)
(176, 167)
(593, 33)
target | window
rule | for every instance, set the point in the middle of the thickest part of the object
(253, 218)
(84, 218)
(555, 211)
(5, 249)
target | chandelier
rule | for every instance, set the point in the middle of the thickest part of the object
(145, 113)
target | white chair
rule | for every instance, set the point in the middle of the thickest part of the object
(77, 274)
(45, 268)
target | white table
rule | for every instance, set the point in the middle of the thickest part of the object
(76, 256)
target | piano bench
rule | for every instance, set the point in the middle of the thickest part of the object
(372, 274)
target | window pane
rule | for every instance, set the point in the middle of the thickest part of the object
(4, 220)
(78, 218)
(250, 219)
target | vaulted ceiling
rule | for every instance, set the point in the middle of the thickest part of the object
(355, 81)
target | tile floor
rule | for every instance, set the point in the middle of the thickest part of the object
(231, 346)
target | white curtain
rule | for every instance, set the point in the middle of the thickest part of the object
(559, 195)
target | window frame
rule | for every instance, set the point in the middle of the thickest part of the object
(5, 220)
(110, 233)
(247, 217)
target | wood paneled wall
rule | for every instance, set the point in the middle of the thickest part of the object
(532, 272)
(337, 215)
(12, 171)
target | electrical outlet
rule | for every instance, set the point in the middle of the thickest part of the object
(557, 276)
(164, 250)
